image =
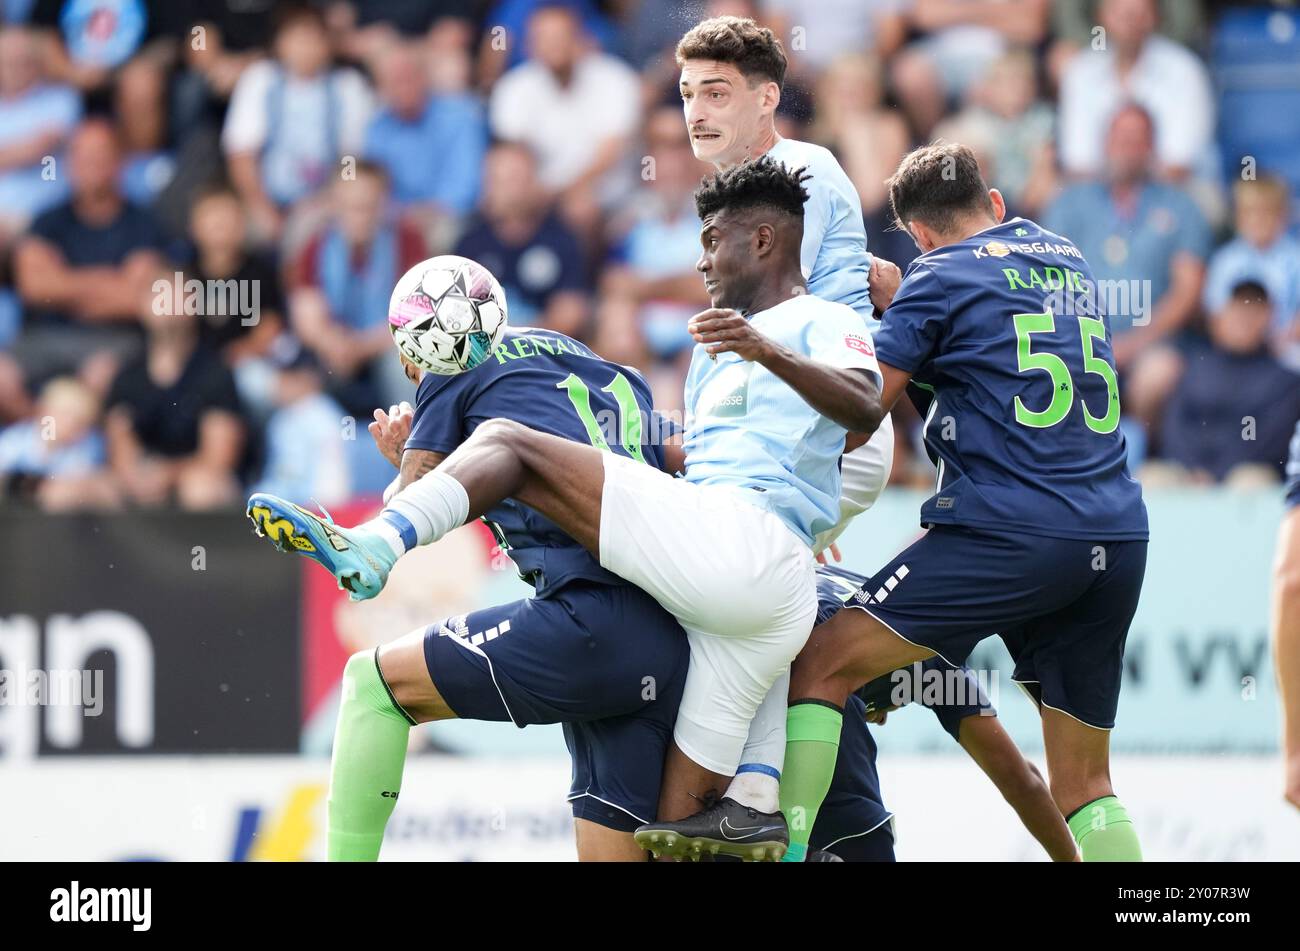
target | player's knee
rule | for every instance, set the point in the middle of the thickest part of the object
(1079, 787)
(504, 431)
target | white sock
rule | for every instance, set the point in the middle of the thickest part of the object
(422, 513)
(757, 783)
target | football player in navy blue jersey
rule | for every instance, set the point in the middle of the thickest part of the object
(589, 650)
(1286, 622)
(853, 824)
(1037, 532)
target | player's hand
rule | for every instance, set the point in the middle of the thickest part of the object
(726, 331)
(833, 550)
(883, 279)
(390, 431)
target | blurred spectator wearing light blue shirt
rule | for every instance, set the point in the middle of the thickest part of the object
(1261, 250)
(307, 459)
(58, 457)
(36, 119)
(431, 144)
(1151, 240)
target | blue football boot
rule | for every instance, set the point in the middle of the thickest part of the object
(358, 559)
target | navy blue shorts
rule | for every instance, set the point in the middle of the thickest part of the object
(1063, 606)
(853, 811)
(605, 660)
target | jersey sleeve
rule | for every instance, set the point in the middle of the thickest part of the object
(838, 337)
(973, 701)
(911, 327)
(441, 405)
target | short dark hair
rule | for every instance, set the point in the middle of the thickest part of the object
(937, 185)
(757, 183)
(752, 49)
(289, 15)
(1250, 291)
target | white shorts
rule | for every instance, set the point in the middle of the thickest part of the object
(863, 474)
(739, 581)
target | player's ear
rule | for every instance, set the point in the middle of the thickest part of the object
(771, 97)
(764, 237)
(999, 204)
(922, 237)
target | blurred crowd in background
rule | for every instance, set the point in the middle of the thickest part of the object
(204, 205)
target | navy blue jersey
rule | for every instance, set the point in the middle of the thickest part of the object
(1293, 470)
(1005, 330)
(951, 693)
(556, 385)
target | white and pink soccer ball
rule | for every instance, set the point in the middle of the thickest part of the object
(447, 314)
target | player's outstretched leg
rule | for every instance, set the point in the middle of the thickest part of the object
(384, 693)
(842, 654)
(502, 459)
(1078, 768)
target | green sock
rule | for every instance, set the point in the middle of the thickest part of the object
(366, 769)
(1104, 832)
(812, 741)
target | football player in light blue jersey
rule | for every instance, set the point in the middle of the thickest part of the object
(732, 72)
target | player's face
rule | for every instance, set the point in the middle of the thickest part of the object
(726, 261)
(724, 116)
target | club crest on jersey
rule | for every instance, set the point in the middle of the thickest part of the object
(859, 343)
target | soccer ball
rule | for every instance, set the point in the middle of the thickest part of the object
(447, 314)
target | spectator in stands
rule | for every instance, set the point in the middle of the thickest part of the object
(1011, 129)
(1231, 417)
(339, 289)
(531, 251)
(852, 120)
(140, 104)
(57, 458)
(650, 287)
(504, 43)
(249, 315)
(1262, 250)
(1146, 242)
(291, 118)
(234, 35)
(1135, 64)
(83, 266)
(431, 144)
(962, 40)
(832, 30)
(306, 457)
(175, 431)
(576, 108)
(36, 119)
(87, 39)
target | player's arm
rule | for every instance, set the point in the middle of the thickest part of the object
(848, 397)
(417, 463)
(1020, 783)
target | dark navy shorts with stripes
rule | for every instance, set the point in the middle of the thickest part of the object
(1062, 606)
(604, 660)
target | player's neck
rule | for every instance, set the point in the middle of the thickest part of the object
(968, 229)
(778, 290)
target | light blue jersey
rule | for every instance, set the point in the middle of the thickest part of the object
(746, 427)
(834, 251)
